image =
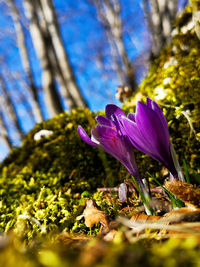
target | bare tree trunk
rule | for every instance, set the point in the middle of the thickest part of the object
(15, 80)
(109, 15)
(25, 60)
(160, 16)
(62, 57)
(4, 133)
(67, 97)
(52, 98)
(196, 16)
(11, 107)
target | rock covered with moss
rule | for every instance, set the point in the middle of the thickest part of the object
(49, 176)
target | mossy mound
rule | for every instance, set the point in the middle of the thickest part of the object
(62, 157)
(48, 179)
(174, 82)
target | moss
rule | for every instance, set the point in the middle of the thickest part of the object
(63, 157)
(42, 181)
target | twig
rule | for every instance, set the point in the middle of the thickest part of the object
(116, 189)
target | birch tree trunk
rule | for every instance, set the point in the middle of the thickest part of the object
(15, 80)
(160, 16)
(109, 15)
(52, 98)
(196, 16)
(11, 107)
(25, 60)
(4, 133)
(67, 97)
(72, 88)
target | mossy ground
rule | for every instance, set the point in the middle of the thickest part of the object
(44, 184)
(50, 179)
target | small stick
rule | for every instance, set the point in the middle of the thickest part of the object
(116, 189)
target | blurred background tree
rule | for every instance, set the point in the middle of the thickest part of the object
(58, 55)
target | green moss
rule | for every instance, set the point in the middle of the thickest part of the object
(41, 182)
(63, 158)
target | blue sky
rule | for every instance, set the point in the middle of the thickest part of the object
(82, 35)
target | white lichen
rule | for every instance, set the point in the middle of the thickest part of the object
(171, 62)
(42, 133)
(160, 93)
(167, 80)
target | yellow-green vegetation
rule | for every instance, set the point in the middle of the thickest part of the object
(49, 179)
(44, 184)
(95, 252)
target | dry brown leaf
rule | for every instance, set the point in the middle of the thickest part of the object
(187, 193)
(182, 215)
(143, 217)
(110, 235)
(65, 239)
(175, 216)
(94, 216)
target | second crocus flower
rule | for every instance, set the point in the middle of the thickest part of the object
(148, 132)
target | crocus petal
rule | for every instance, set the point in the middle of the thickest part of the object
(103, 131)
(152, 129)
(168, 162)
(104, 121)
(118, 146)
(154, 106)
(131, 116)
(118, 124)
(149, 102)
(137, 140)
(85, 137)
(112, 109)
(132, 166)
(158, 110)
(109, 140)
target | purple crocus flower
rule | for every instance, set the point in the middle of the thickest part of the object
(148, 132)
(109, 136)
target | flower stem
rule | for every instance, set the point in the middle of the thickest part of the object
(176, 163)
(144, 195)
